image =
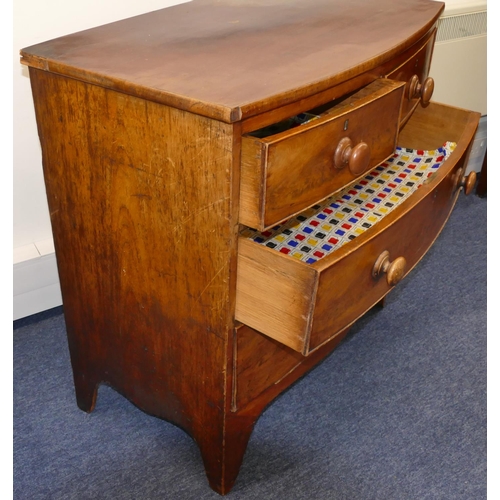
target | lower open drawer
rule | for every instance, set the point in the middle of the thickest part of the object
(303, 303)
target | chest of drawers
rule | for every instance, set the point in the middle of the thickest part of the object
(168, 137)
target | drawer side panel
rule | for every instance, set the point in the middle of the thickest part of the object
(274, 294)
(253, 158)
(136, 192)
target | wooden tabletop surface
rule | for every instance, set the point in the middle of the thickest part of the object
(230, 59)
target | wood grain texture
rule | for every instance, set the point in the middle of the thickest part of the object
(283, 174)
(136, 193)
(260, 362)
(384, 70)
(274, 295)
(429, 126)
(233, 59)
(141, 124)
(253, 182)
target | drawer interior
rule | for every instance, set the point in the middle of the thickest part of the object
(429, 126)
(336, 106)
(425, 142)
(325, 227)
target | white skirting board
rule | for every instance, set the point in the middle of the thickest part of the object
(36, 280)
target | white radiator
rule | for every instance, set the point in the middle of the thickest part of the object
(459, 65)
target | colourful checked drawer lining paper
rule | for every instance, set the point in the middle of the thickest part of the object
(327, 226)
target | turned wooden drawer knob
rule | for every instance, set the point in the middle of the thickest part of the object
(357, 157)
(424, 91)
(394, 270)
(467, 182)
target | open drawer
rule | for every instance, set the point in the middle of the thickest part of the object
(303, 305)
(285, 171)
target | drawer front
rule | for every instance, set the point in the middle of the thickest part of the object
(414, 72)
(260, 363)
(263, 367)
(283, 174)
(351, 286)
(303, 306)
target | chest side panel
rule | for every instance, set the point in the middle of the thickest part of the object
(136, 193)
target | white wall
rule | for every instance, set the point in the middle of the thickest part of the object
(35, 278)
(453, 7)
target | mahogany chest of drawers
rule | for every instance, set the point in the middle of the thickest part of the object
(203, 164)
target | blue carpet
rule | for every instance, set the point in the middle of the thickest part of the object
(397, 412)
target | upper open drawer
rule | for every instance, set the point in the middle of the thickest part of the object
(288, 167)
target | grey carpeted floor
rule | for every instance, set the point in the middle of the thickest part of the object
(397, 412)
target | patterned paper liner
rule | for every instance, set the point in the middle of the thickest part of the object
(325, 227)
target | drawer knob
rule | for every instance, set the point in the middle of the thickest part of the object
(394, 270)
(467, 182)
(357, 157)
(424, 91)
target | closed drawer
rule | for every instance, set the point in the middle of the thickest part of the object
(286, 172)
(303, 305)
(414, 72)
